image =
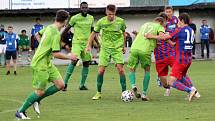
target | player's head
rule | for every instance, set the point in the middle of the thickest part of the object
(169, 11)
(204, 22)
(10, 29)
(1, 27)
(164, 16)
(183, 19)
(23, 32)
(61, 17)
(38, 20)
(111, 12)
(159, 20)
(84, 8)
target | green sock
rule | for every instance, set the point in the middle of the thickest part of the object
(29, 101)
(84, 74)
(50, 91)
(132, 79)
(123, 82)
(146, 82)
(69, 71)
(99, 82)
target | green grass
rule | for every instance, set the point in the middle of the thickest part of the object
(75, 105)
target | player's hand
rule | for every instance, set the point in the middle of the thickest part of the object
(87, 49)
(73, 56)
(124, 50)
(171, 42)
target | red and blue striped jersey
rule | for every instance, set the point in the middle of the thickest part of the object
(164, 49)
(184, 38)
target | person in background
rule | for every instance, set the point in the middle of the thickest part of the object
(11, 49)
(204, 34)
(24, 44)
(36, 28)
(2, 45)
(68, 41)
(128, 40)
(193, 26)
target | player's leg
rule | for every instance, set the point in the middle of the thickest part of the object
(14, 57)
(121, 72)
(104, 59)
(77, 51)
(8, 58)
(132, 64)
(86, 58)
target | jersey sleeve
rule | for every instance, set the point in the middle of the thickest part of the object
(56, 43)
(97, 28)
(72, 21)
(173, 35)
(92, 22)
(41, 31)
(123, 27)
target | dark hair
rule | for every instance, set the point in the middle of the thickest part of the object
(159, 19)
(10, 26)
(83, 3)
(185, 17)
(204, 20)
(23, 31)
(163, 15)
(111, 7)
(168, 7)
(38, 19)
(61, 16)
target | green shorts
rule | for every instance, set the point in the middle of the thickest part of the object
(137, 56)
(41, 77)
(106, 54)
(79, 51)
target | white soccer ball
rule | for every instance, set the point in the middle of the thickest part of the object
(127, 96)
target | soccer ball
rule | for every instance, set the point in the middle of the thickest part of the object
(127, 96)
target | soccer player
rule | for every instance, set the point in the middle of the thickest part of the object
(83, 26)
(141, 51)
(184, 37)
(112, 30)
(44, 70)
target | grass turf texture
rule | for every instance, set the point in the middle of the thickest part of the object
(75, 105)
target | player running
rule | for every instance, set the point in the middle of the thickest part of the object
(184, 37)
(83, 26)
(44, 70)
(112, 30)
(141, 51)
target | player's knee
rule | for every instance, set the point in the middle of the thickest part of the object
(86, 64)
(121, 70)
(60, 85)
(101, 71)
(74, 62)
(40, 92)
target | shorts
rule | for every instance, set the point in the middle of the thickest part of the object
(162, 66)
(106, 54)
(10, 54)
(137, 56)
(179, 70)
(41, 77)
(79, 51)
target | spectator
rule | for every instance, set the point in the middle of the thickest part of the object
(36, 28)
(11, 42)
(24, 44)
(128, 40)
(204, 33)
(68, 41)
(2, 45)
(193, 26)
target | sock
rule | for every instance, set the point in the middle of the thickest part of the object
(180, 86)
(29, 101)
(186, 81)
(84, 74)
(69, 71)
(50, 91)
(123, 82)
(99, 82)
(132, 79)
(146, 82)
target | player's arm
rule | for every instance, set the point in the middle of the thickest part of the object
(59, 55)
(90, 40)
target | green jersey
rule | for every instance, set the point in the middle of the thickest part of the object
(49, 43)
(143, 44)
(82, 27)
(112, 33)
(23, 40)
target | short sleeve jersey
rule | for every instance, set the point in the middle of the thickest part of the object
(143, 44)
(112, 33)
(50, 42)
